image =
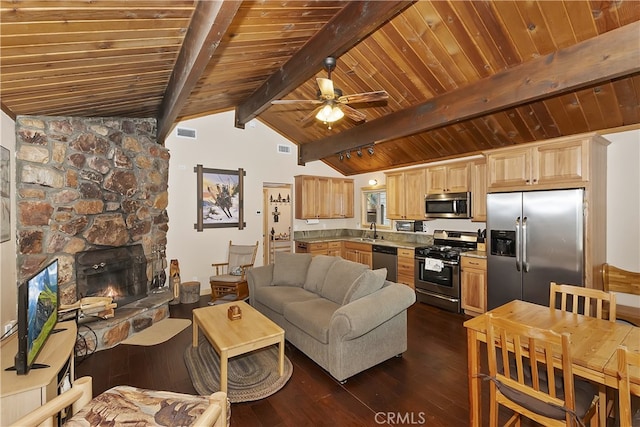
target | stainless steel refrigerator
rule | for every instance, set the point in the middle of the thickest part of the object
(534, 238)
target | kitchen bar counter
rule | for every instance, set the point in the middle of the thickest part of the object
(380, 242)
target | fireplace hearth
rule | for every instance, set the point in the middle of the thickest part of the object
(119, 273)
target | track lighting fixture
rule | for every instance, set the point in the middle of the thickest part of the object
(348, 154)
(341, 156)
(359, 152)
(370, 150)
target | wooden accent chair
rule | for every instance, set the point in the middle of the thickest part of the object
(124, 405)
(618, 280)
(594, 301)
(550, 396)
(229, 281)
(626, 360)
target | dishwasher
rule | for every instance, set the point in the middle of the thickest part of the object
(386, 257)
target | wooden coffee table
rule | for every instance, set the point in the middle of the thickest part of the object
(235, 337)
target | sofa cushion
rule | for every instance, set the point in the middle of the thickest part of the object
(277, 297)
(313, 317)
(367, 283)
(339, 279)
(317, 271)
(290, 269)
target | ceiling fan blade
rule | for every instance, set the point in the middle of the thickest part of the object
(326, 88)
(306, 119)
(379, 95)
(353, 114)
(296, 101)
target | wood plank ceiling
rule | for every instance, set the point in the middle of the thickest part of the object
(462, 76)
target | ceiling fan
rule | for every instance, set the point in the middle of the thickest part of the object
(333, 104)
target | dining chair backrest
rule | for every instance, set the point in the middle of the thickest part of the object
(581, 300)
(618, 280)
(626, 360)
(546, 395)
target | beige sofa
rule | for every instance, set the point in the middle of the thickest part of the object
(341, 314)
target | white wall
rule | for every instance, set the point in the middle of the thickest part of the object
(220, 145)
(623, 205)
(8, 286)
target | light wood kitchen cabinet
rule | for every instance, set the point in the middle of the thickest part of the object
(479, 191)
(358, 252)
(405, 194)
(406, 267)
(325, 248)
(322, 197)
(451, 178)
(342, 198)
(474, 285)
(546, 165)
(334, 248)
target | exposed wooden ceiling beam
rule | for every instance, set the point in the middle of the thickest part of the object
(208, 26)
(608, 56)
(354, 22)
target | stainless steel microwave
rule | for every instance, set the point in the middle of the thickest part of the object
(448, 205)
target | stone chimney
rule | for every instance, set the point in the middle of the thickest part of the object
(87, 183)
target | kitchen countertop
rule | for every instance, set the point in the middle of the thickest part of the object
(380, 242)
(475, 254)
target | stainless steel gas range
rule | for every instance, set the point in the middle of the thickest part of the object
(437, 271)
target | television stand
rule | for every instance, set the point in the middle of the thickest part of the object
(21, 394)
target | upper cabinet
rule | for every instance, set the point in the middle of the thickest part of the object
(322, 197)
(559, 164)
(342, 192)
(478, 191)
(405, 194)
(451, 178)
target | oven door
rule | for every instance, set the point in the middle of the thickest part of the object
(438, 288)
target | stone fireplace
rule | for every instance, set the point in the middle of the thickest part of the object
(87, 185)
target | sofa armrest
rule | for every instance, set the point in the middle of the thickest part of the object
(259, 276)
(364, 314)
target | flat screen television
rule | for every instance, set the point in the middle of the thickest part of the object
(37, 316)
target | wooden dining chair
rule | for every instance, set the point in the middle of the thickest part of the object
(626, 360)
(616, 279)
(581, 300)
(524, 379)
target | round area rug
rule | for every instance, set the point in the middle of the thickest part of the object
(251, 376)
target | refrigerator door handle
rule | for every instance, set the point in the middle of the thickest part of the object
(518, 260)
(525, 262)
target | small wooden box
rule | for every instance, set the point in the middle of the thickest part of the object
(234, 313)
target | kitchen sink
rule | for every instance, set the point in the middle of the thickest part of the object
(366, 239)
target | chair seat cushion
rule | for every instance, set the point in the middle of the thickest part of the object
(227, 278)
(124, 405)
(277, 297)
(312, 316)
(584, 392)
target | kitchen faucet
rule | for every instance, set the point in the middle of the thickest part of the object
(373, 227)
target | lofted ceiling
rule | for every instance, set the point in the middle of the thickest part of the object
(462, 76)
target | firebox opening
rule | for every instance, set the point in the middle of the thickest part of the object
(119, 273)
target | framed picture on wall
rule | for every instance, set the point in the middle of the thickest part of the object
(220, 198)
(5, 201)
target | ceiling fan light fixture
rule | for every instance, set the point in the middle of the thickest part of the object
(329, 114)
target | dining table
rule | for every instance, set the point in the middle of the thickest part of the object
(594, 343)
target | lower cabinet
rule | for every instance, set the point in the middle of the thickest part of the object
(334, 248)
(474, 285)
(406, 267)
(358, 252)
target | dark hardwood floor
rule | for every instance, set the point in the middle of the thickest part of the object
(426, 386)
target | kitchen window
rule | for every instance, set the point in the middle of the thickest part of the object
(374, 207)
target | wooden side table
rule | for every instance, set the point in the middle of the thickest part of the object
(229, 291)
